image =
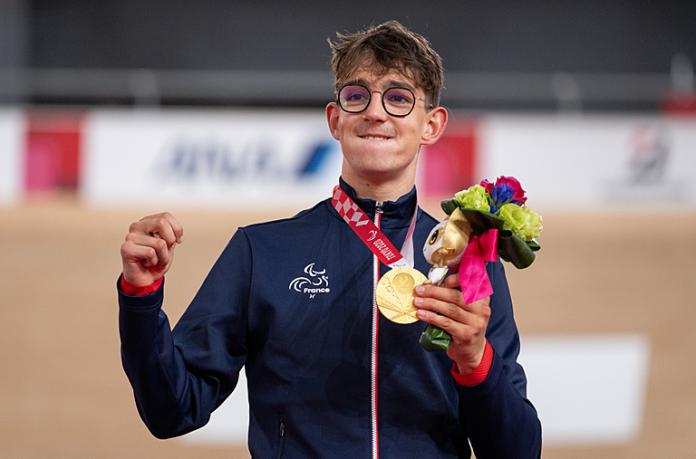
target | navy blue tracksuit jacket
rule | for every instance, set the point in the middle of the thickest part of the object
(291, 302)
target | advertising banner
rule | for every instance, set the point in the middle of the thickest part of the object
(251, 159)
(247, 159)
(11, 164)
(595, 162)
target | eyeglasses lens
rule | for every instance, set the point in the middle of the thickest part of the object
(354, 98)
(396, 101)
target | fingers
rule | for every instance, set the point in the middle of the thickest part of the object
(440, 307)
(132, 252)
(451, 281)
(153, 250)
(148, 248)
(163, 225)
(445, 308)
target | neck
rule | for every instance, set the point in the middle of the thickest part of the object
(379, 188)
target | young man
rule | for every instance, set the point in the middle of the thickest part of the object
(293, 302)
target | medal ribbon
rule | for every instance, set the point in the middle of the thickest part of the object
(370, 235)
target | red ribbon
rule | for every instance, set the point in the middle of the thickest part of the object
(370, 234)
(473, 278)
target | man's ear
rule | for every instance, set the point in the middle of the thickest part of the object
(332, 112)
(435, 127)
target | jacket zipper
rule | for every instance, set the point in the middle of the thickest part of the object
(281, 439)
(375, 341)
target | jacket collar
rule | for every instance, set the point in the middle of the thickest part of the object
(395, 214)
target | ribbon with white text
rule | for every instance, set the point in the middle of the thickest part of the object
(371, 235)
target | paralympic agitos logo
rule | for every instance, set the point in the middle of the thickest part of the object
(315, 282)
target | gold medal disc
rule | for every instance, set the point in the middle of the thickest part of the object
(395, 294)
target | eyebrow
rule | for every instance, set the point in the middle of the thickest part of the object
(388, 84)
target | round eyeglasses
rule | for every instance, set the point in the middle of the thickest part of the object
(397, 101)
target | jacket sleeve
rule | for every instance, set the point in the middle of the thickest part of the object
(180, 377)
(499, 420)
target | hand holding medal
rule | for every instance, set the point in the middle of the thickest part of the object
(485, 221)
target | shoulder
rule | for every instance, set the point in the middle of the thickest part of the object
(278, 238)
(425, 218)
(302, 221)
(425, 223)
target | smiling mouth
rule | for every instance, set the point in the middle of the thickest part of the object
(375, 137)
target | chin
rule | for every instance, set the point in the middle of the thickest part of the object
(381, 170)
(373, 158)
(381, 149)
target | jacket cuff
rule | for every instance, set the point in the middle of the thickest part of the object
(139, 290)
(150, 301)
(479, 374)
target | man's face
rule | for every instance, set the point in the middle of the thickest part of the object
(374, 143)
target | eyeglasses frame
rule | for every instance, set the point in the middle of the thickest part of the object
(370, 92)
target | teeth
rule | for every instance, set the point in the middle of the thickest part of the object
(371, 137)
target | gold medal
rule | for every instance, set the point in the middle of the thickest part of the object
(395, 294)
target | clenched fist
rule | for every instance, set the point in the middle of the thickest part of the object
(148, 250)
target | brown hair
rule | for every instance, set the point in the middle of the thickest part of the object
(389, 46)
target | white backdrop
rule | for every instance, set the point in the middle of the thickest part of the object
(594, 162)
(11, 164)
(250, 158)
(228, 158)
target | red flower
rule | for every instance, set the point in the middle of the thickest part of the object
(487, 185)
(518, 196)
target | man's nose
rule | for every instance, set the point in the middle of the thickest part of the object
(375, 109)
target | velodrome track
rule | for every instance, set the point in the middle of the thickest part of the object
(63, 393)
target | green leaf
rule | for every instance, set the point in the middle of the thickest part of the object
(513, 249)
(434, 339)
(448, 205)
(534, 245)
(481, 221)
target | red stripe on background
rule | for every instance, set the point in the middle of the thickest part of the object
(450, 164)
(52, 152)
(680, 104)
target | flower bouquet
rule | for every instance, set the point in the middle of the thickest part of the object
(484, 221)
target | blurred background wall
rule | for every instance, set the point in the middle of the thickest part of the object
(214, 110)
(499, 55)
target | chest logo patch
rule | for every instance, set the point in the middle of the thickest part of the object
(315, 282)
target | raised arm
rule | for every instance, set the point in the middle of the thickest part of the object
(180, 377)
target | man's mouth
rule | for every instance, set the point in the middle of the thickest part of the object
(374, 137)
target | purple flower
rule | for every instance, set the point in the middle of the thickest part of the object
(506, 189)
(518, 196)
